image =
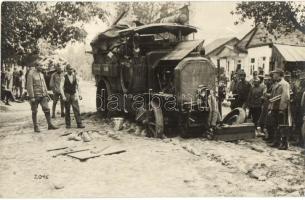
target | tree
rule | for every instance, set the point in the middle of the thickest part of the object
(25, 23)
(147, 12)
(283, 16)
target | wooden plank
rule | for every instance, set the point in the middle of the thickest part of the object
(69, 152)
(56, 149)
(84, 155)
(115, 152)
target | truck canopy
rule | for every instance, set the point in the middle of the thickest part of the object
(160, 28)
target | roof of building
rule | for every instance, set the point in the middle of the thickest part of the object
(216, 44)
(291, 53)
(259, 36)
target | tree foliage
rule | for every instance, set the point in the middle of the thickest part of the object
(25, 23)
(273, 15)
(147, 12)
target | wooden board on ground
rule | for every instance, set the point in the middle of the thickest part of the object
(113, 150)
(84, 155)
(235, 132)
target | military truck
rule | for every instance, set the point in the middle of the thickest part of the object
(155, 74)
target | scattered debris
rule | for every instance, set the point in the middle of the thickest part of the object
(115, 152)
(191, 150)
(113, 136)
(99, 151)
(75, 137)
(118, 123)
(56, 149)
(83, 155)
(68, 152)
(86, 137)
(259, 171)
(58, 186)
(66, 134)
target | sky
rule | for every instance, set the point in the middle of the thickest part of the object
(214, 20)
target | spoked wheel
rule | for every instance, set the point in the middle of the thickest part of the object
(155, 122)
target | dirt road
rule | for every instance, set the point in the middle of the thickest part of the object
(149, 167)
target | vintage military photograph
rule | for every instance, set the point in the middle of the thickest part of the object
(152, 99)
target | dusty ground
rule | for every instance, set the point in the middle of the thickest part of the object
(149, 167)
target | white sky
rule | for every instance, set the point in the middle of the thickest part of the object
(215, 20)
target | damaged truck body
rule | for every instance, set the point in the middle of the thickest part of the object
(156, 74)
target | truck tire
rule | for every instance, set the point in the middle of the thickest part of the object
(236, 116)
(155, 122)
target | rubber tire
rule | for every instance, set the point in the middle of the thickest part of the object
(239, 115)
(158, 120)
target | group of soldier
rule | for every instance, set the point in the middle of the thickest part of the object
(273, 105)
(12, 84)
(65, 87)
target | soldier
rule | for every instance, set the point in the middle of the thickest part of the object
(279, 110)
(37, 91)
(241, 90)
(55, 86)
(254, 101)
(69, 88)
(267, 92)
(255, 77)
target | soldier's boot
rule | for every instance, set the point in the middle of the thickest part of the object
(276, 142)
(284, 144)
(35, 123)
(62, 110)
(48, 118)
(270, 137)
(53, 110)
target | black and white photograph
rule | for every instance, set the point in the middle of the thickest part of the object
(142, 99)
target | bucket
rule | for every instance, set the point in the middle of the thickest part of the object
(118, 123)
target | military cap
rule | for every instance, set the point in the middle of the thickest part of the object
(241, 72)
(287, 74)
(280, 71)
(267, 77)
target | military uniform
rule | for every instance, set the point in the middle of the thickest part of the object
(37, 91)
(242, 91)
(278, 112)
(55, 86)
(255, 102)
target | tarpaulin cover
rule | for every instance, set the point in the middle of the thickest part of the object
(160, 28)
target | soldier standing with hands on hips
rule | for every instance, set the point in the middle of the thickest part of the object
(38, 94)
(69, 88)
(279, 110)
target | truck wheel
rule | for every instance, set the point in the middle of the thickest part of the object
(155, 122)
(102, 94)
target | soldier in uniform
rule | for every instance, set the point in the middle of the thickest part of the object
(266, 95)
(241, 90)
(254, 102)
(37, 91)
(69, 88)
(55, 86)
(279, 110)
